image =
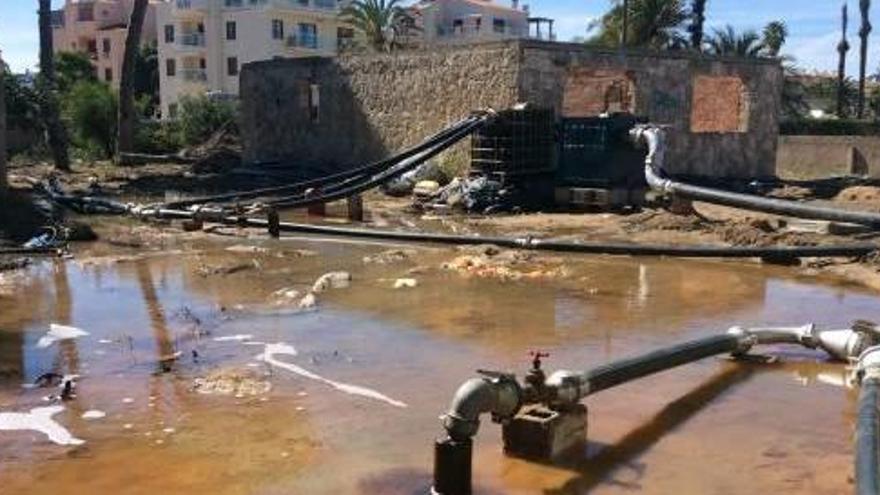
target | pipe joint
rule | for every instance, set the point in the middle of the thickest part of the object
(565, 388)
(868, 366)
(497, 394)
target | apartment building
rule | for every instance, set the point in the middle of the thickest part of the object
(204, 43)
(470, 21)
(99, 28)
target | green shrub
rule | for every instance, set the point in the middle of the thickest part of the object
(158, 137)
(829, 127)
(90, 109)
(200, 117)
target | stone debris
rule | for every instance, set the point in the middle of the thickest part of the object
(406, 283)
(390, 257)
(245, 249)
(332, 280)
(207, 270)
(59, 332)
(309, 301)
(492, 262)
(286, 293)
(239, 382)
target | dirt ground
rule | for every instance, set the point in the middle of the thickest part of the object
(705, 225)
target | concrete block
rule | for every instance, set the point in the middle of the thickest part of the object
(540, 433)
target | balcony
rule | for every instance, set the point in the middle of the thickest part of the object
(198, 76)
(306, 42)
(192, 41)
(329, 6)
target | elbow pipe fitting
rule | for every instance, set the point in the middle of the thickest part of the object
(500, 396)
(654, 138)
(842, 345)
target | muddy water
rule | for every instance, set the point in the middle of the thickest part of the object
(154, 321)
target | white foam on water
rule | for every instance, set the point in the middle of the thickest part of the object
(94, 414)
(234, 338)
(40, 420)
(272, 350)
(59, 332)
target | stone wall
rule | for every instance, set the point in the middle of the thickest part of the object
(660, 86)
(818, 157)
(371, 106)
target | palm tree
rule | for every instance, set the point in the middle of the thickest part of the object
(842, 48)
(48, 99)
(864, 33)
(383, 23)
(698, 19)
(650, 23)
(774, 36)
(728, 42)
(127, 116)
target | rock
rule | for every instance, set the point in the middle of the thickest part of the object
(235, 381)
(79, 232)
(426, 189)
(332, 280)
(406, 283)
(286, 293)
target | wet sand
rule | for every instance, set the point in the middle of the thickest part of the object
(711, 427)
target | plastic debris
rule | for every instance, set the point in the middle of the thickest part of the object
(406, 283)
(40, 420)
(332, 280)
(59, 332)
(93, 414)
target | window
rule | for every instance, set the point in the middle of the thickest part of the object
(499, 25)
(231, 33)
(169, 33)
(108, 74)
(106, 45)
(85, 12)
(92, 47)
(458, 25)
(719, 105)
(277, 29)
(232, 66)
(308, 35)
(170, 67)
(203, 64)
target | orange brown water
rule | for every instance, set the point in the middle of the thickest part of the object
(711, 427)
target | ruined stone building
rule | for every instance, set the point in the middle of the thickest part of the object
(722, 112)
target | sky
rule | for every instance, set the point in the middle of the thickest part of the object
(814, 26)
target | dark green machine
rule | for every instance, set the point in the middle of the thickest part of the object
(585, 162)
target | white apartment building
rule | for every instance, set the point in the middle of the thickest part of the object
(470, 21)
(99, 28)
(204, 43)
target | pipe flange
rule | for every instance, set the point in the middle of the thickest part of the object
(868, 365)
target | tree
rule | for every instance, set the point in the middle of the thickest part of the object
(864, 34)
(728, 42)
(91, 109)
(774, 35)
(696, 27)
(842, 48)
(71, 68)
(383, 23)
(146, 78)
(47, 90)
(127, 115)
(651, 24)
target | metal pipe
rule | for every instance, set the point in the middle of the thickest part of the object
(867, 457)
(655, 139)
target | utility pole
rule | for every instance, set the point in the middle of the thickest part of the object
(842, 48)
(624, 34)
(3, 183)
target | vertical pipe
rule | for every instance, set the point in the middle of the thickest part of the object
(867, 436)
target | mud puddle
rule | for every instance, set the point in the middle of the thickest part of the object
(213, 379)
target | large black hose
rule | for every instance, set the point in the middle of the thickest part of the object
(341, 177)
(346, 190)
(617, 373)
(774, 252)
(868, 439)
(655, 175)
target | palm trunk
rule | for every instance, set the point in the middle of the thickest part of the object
(49, 100)
(842, 48)
(3, 182)
(127, 117)
(864, 33)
